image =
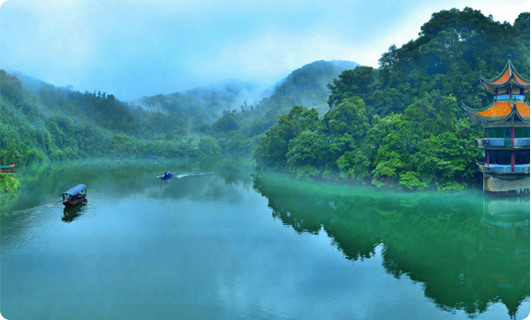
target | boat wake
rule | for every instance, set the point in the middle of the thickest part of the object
(188, 174)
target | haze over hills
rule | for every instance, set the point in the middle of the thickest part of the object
(41, 121)
(305, 86)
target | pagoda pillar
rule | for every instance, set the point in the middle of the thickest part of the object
(512, 151)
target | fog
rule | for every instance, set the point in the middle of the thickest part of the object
(134, 48)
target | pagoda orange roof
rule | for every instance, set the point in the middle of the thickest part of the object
(509, 77)
(499, 111)
(504, 77)
(523, 110)
(520, 80)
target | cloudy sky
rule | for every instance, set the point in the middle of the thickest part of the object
(133, 48)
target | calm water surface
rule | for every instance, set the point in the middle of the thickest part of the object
(216, 242)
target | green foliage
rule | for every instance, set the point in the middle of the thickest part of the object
(227, 123)
(411, 181)
(8, 183)
(358, 82)
(350, 116)
(305, 149)
(272, 150)
(210, 148)
(355, 165)
(430, 145)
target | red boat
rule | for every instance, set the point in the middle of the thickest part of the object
(75, 195)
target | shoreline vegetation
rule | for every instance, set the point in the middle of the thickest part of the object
(8, 183)
(396, 126)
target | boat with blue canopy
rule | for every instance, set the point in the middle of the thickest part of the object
(166, 175)
(75, 195)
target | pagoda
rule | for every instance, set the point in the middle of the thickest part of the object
(505, 167)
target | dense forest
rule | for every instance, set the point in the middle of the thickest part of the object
(399, 124)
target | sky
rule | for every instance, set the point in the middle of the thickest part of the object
(134, 48)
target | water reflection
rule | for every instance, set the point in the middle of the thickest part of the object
(71, 213)
(467, 251)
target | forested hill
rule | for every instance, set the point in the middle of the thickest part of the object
(401, 124)
(39, 121)
(201, 106)
(306, 86)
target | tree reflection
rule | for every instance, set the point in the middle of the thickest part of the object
(467, 251)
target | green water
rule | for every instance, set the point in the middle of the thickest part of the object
(218, 242)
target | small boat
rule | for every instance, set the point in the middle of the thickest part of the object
(75, 195)
(166, 176)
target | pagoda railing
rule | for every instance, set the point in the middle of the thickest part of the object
(504, 169)
(500, 143)
(516, 97)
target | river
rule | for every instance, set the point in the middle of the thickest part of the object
(219, 241)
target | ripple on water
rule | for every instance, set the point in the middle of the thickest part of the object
(24, 226)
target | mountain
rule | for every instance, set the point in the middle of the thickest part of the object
(203, 106)
(39, 121)
(306, 86)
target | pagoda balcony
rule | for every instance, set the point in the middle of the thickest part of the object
(519, 169)
(501, 143)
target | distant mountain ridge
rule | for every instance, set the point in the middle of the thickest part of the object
(202, 105)
(306, 86)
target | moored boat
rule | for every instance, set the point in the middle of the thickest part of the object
(9, 168)
(75, 195)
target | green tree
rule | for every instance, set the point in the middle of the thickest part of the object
(8, 183)
(350, 116)
(209, 147)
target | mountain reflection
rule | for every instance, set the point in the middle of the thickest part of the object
(468, 251)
